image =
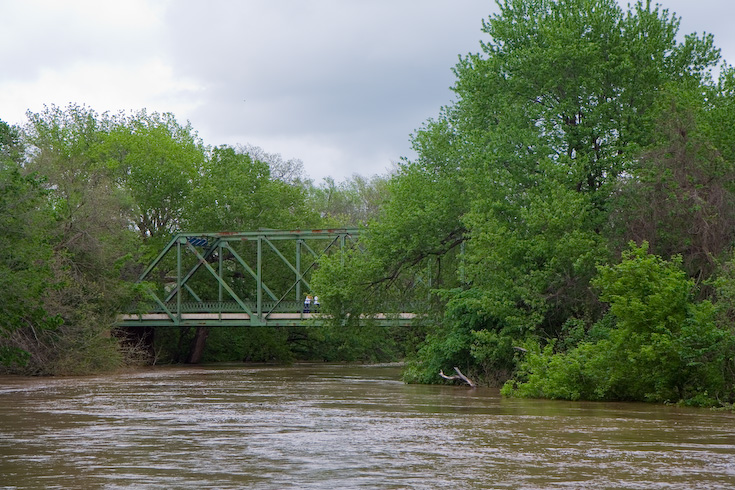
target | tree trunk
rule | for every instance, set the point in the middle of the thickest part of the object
(197, 345)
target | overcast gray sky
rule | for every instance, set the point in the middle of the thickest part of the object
(339, 84)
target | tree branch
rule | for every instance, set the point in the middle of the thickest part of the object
(459, 376)
(451, 241)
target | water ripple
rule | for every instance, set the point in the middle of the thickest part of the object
(342, 427)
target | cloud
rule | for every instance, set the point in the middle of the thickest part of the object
(324, 79)
(107, 55)
(104, 86)
(338, 84)
(47, 35)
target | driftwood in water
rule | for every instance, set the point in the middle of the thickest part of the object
(459, 375)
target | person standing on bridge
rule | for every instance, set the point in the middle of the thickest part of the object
(307, 304)
(316, 304)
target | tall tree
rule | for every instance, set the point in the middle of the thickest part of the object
(235, 192)
(158, 160)
(68, 147)
(355, 201)
(549, 119)
(25, 252)
(91, 236)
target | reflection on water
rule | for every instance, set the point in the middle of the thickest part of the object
(341, 427)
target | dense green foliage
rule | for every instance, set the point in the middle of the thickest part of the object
(656, 343)
(25, 249)
(579, 127)
(88, 199)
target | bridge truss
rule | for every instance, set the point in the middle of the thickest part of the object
(257, 278)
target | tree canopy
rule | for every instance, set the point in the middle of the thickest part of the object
(575, 117)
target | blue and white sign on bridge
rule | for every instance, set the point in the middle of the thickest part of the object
(198, 241)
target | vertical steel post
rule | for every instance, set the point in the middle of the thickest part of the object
(342, 244)
(259, 274)
(298, 270)
(178, 280)
(219, 271)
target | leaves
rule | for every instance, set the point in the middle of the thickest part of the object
(659, 345)
(561, 140)
(157, 160)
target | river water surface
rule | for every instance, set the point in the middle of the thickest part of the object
(341, 427)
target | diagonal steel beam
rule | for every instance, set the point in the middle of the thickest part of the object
(158, 259)
(249, 270)
(299, 275)
(221, 281)
(193, 270)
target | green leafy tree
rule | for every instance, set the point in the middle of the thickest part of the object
(354, 202)
(91, 238)
(157, 160)
(520, 173)
(234, 192)
(68, 147)
(553, 111)
(25, 252)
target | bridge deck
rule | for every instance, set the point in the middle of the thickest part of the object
(242, 319)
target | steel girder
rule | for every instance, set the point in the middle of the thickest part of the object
(198, 279)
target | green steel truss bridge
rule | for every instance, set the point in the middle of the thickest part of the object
(257, 279)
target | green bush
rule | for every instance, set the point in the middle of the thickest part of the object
(468, 337)
(660, 346)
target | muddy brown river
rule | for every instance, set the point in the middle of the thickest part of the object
(341, 427)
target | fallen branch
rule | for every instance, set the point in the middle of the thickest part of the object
(459, 375)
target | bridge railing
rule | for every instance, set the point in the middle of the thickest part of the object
(270, 306)
(232, 315)
(226, 307)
